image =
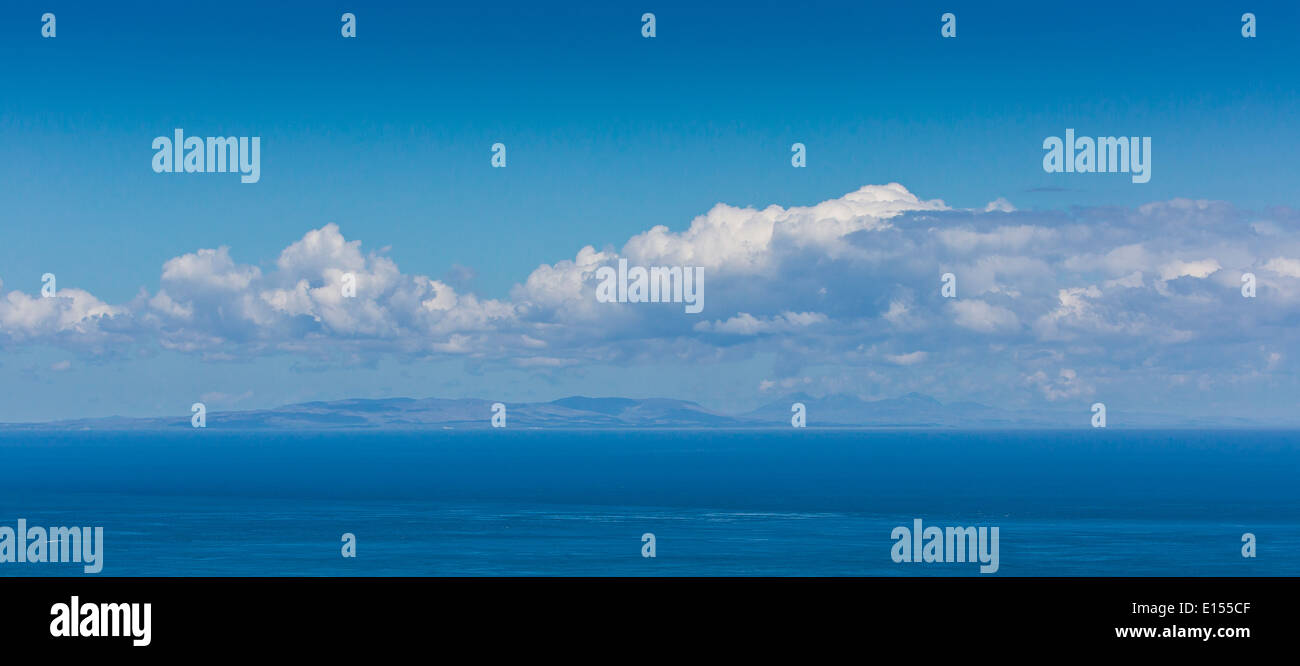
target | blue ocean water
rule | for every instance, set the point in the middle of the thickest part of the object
(1069, 503)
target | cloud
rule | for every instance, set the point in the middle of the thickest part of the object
(1284, 266)
(1121, 295)
(208, 271)
(980, 316)
(71, 316)
(746, 324)
(999, 205)
(785, 384)
(1065, 385)
(208, 301)
(1197, 269)
(906, 359)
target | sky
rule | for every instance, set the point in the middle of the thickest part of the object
(924, 156)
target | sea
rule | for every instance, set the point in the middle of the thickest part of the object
(508, 502)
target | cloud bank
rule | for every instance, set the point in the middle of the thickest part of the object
(1056, 301)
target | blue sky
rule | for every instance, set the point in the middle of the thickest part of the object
(608, 135)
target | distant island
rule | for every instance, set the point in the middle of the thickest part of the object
(913, 410)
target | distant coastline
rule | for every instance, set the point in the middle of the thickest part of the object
(839, 411)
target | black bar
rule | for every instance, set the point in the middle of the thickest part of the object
(943, 618)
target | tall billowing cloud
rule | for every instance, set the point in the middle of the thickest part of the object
(1053, 301)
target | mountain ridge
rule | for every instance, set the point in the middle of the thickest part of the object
(840, 410)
